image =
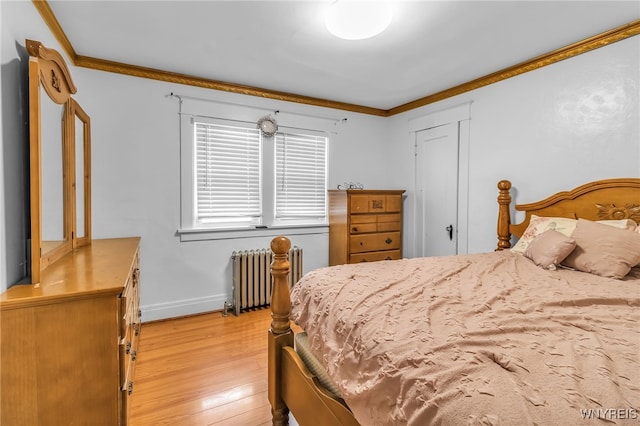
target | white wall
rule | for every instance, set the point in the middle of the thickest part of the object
(548, 130)
(136, 184)
(527, 129)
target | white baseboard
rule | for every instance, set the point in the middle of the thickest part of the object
(185, 307)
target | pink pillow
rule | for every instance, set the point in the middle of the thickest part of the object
(549, 249)
(603, 250)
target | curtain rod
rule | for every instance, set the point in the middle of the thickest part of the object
(275, 111)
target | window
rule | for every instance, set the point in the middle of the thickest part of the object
(227, 175)
(301, 185)
(239, 179)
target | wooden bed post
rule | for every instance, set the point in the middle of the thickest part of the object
(280, 333)
(504, 215)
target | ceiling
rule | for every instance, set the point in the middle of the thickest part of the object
(283, 46)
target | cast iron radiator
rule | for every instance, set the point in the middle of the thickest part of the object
(252, 279)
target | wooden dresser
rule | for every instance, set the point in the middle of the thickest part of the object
(69, 343)
(364, 225)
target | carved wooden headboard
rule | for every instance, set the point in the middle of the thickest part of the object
(599, 200)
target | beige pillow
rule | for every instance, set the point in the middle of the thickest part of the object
(549, 249)
(564, 225)
(603, 250)
(538, 225)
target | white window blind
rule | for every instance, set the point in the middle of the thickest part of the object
(301, 175)
(228, 171)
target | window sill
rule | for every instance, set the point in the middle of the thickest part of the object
(204, 234)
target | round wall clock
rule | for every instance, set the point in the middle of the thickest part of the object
(268, 126)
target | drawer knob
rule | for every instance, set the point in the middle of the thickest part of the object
(388, 241)
(354, 229)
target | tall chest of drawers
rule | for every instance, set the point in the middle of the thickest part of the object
(364, 225)
(69, 342)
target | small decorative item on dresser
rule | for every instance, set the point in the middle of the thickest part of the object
(350, 185)
(364, 225)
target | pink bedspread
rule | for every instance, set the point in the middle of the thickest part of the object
(482, 339)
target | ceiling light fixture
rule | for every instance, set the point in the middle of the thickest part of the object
(357, 20)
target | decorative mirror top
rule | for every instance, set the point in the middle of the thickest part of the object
(54, 74)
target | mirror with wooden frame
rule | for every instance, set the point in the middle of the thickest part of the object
(60, 173)
(79, 137)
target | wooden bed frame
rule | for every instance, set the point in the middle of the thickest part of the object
(599, 200)
(293, 388)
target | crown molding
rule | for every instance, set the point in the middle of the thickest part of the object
(600, 40)
(617, 34)
(150, 73)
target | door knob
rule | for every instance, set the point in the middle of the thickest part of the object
(450, 230)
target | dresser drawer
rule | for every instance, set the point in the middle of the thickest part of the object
(376, 203)
(125, 399)
(361, 219)
(122, 315)
(128, 355)
(361, 228)
(389, 226)
(130, 302)
(374, 242)
(393, 203)
(363, 223)
(375, 256)
(359, 203)
(127, 314)
(389, 222)
(386, 218)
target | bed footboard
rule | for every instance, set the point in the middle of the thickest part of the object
(280, 333)
(291, 384)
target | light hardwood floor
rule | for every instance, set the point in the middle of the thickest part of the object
(203, 370)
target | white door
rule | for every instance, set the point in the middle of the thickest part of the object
(437, 190)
